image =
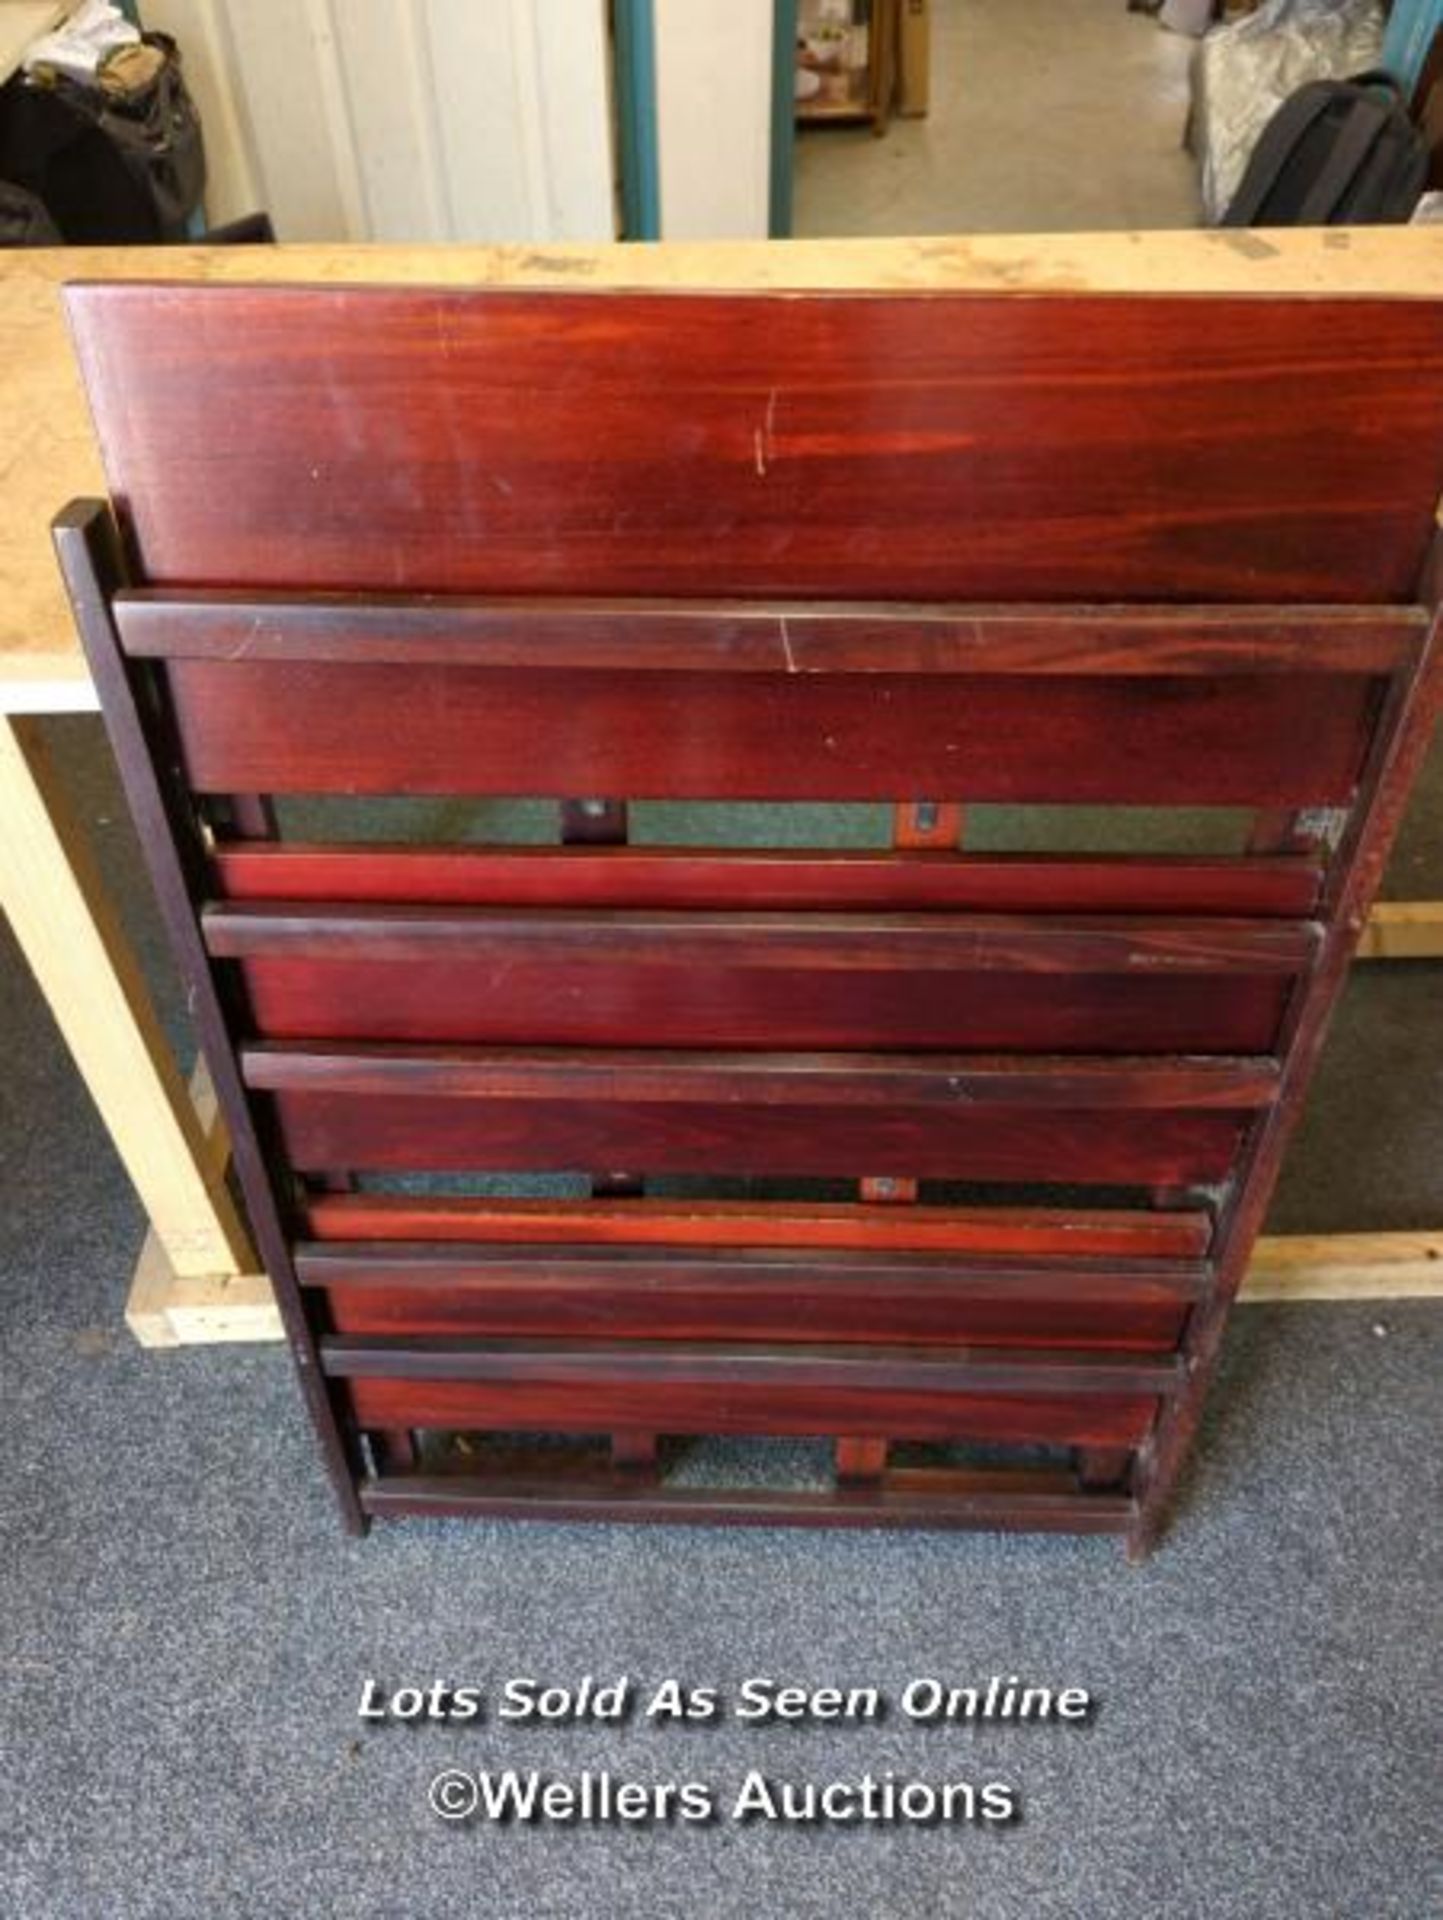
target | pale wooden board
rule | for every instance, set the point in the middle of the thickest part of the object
(1403, 930)
(52, 894)
(1346, 1266)
(47, 455)
(166, 1310)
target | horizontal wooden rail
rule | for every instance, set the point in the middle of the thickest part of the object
(699, 878)
(789, 637)
(589, 1363)
(973, 1233)
(995, 1509)
(777, 1294)
(462, 1265)
(1035, 943)
(943, 1081)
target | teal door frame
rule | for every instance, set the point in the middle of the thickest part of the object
(784, 116)
(634, 28)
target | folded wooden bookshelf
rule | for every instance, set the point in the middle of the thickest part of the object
(950, 1158)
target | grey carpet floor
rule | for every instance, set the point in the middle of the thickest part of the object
(184, 1633)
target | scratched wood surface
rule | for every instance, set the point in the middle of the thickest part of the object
(632, 443)
(712, 980)
(45, 425)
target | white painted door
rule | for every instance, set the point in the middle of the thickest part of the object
(404, 120)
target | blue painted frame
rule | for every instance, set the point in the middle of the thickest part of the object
(638, 157)
(1411, 27)
(784, 117)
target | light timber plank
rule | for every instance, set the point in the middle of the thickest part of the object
(1403, 930)
(1347, 1266)
(52, 893)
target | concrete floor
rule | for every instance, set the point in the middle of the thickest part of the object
(1046, 116)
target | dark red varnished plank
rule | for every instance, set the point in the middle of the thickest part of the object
(1224, 740)
(705, 878)
(901, 1501)
(784, 637)
(398, 1126)
(501, 1000)
(898, 982)
(973, 943)
(1009, 447)
(690, 1407)
(646, 1364)
(693, 1314)
(856, 1080)
(720, 1223)
(753, 1294)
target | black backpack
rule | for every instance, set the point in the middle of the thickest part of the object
(1336, 153)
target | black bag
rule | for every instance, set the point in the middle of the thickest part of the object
(1336, 153)
(159, 137)
(24, 221)
(108, 171)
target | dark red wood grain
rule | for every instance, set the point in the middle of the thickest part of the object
(419, 1133)
(1051, 944)
(688, 1406)
(1168, 1123)
(1222, 740)
(962, 446)
(789, 636)
(770, 1294)
(987, 1231)
(886, 1368)
(998, 1502)
(898, 982)
(501, 998)
(711, 879)
(816, 1313)
(856, 1080)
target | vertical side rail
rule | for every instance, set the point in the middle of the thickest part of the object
(88, 547)
(1404, 730)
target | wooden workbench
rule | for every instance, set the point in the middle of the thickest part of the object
(197, 1272)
